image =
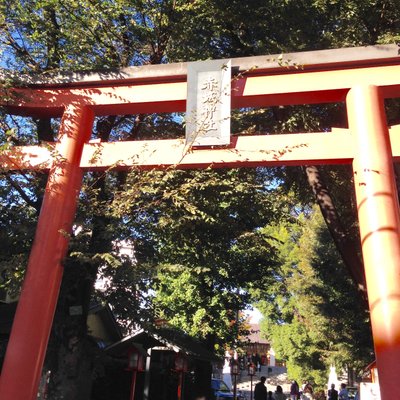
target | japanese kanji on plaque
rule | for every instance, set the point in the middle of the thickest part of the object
(208, 103)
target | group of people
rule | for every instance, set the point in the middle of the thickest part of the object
(305, 393)
(261, 393)
(343, 394)
(250, 359)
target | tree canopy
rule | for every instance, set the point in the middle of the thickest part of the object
(207, 248)
(313, 313)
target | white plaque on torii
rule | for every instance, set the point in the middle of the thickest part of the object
(208, 107)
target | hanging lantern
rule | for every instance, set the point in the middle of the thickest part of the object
(252, 369)
(235, 368)
(135, 360)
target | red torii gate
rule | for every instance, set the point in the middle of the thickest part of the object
(361, 77)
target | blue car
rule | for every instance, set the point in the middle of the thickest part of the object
(221, 390)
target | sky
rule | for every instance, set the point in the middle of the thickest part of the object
(255, 315)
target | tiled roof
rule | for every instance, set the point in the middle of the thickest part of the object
(166, 337)
(255, 335)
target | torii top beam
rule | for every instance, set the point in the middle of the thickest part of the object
(295, 78)
(299, 78)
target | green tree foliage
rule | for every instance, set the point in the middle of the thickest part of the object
(313, 313)
(83, 35)
(207, 249)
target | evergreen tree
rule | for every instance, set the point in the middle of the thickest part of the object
(314, 315)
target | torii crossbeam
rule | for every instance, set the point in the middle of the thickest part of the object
(360, 77)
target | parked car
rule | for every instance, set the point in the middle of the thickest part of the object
(222, 391)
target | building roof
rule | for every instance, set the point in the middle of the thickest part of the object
(102, 323)
(255, 335)
(165, 338)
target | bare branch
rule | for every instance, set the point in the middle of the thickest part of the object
(22, 193)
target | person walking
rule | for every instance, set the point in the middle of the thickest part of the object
(307, 391)
(279, 395)
(343, 394)
(294, 390)
(260, 390)
(333, 393)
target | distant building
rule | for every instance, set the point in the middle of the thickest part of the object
(260, 347)
(165, 364)
(161, 364)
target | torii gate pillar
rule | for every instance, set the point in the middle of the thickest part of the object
(378, 213)
(31, 329)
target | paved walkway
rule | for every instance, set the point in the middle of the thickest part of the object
(277, 376)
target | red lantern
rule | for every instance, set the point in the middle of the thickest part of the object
(235, 368)
(135, 364)
(135, 360)
(252, 369)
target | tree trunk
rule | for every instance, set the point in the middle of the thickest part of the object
(71, 352)
(344, 243)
